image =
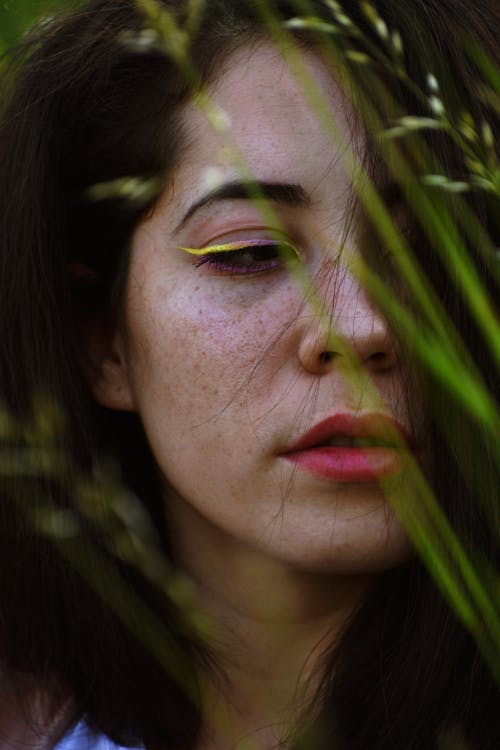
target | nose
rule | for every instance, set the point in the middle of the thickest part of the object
(349, 323)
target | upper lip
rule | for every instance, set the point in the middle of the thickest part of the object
(373, 426)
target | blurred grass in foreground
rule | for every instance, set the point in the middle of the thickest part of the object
(17, 16)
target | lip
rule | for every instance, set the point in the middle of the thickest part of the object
(352, 463)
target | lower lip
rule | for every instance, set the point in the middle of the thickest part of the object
(347, 464)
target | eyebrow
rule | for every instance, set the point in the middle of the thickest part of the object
(286, 194)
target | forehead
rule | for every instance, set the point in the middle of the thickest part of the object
(275, 119)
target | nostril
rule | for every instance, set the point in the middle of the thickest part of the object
(381, 360)
(326, 357)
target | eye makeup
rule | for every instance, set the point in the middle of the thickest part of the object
(246, 256)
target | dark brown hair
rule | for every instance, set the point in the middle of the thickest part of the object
(82, 108)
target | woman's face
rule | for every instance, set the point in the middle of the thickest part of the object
(223, 355)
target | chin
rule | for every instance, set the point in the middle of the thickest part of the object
(344, 556)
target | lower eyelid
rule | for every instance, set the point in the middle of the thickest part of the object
(232, 268)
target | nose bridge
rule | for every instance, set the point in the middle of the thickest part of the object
(353, 315)
(338, 306)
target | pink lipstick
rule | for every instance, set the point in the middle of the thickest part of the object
(352, 448)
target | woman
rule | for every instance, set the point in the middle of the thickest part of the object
(180, 239)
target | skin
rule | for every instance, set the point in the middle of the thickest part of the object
(226, 371)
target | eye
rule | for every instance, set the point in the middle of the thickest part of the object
(246, 257)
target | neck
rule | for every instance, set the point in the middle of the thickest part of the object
(274, 623)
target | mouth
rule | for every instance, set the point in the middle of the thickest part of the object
(352, 448)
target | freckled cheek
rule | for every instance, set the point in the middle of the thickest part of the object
(202, 343)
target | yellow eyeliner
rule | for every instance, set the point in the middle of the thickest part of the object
(229, 247)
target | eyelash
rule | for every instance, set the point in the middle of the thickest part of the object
(247, 258)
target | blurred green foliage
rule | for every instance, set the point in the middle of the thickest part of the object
(16, 17)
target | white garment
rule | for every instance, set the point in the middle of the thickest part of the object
(82, 738)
